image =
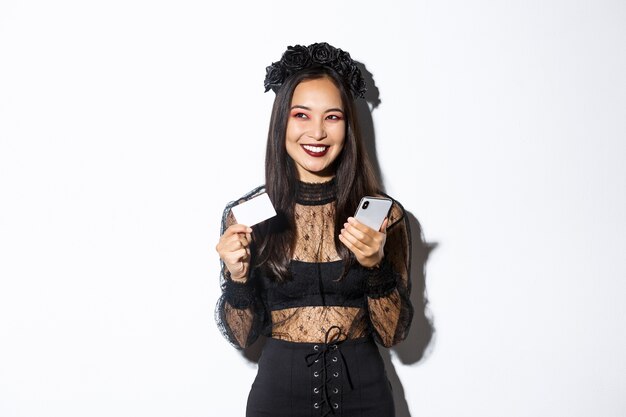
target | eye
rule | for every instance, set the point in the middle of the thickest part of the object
(299, 115)
(334, 117)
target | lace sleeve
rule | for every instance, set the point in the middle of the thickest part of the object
(388, 286)
(239, 312)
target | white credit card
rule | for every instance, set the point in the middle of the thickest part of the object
(254, 210)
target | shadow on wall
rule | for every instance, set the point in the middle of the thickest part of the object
(416, 346)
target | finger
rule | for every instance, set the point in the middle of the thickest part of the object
(230, 235)
(370, 239)
(383, 228)
(355, 232)
(246, 255)
(361, 227)
(236, 241)
(237, 228)
(231, 245)
(236, 257)
(357, 252)
(245, 238)
(367, 244)
(354, 240)
(346, 242)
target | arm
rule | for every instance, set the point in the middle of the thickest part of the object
(239, 311)
(386, 259)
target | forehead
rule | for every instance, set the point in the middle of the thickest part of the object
(321, 92)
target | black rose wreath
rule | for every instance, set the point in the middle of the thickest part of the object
(299, 57)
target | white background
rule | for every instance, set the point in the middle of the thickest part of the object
(126, 126)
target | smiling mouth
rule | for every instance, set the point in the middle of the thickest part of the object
(315, 150)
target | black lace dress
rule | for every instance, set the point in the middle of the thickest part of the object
(320, 358)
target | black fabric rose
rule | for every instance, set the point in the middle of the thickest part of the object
(343, 63)
(274, 76)
(323, 53)
(296, 58)
(299, 57)
(357, 83)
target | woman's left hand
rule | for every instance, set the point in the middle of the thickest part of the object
(366, 243)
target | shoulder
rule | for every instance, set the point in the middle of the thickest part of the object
(227, 216)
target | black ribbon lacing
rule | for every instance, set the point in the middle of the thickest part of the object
(331, 343)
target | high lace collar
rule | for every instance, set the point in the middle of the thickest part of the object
(314, 194)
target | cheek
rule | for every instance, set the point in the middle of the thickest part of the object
(291, 138)
(341, 146)
(338, 132)
(293, 133)
(340, 138)
(290, 147)
(338, 149)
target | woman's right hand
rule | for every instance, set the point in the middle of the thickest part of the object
(234, 249)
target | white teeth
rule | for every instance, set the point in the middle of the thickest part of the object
(315, 149)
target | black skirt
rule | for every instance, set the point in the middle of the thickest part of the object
(308, 379)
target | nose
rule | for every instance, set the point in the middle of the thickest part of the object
(318, 131)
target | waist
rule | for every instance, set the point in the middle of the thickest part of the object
(311, 324)
(308, 346)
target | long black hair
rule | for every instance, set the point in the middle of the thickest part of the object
(354, 177)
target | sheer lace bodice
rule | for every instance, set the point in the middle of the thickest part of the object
(315, 227)
(316, 297)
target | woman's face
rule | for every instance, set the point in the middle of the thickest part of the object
(316, 129)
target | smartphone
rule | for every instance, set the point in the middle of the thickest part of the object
(372, 211)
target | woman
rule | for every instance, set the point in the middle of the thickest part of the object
(321, 285)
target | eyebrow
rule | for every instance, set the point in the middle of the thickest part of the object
(298, 106)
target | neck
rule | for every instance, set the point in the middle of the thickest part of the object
(317, 193)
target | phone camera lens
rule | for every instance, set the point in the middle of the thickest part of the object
(367, 203)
